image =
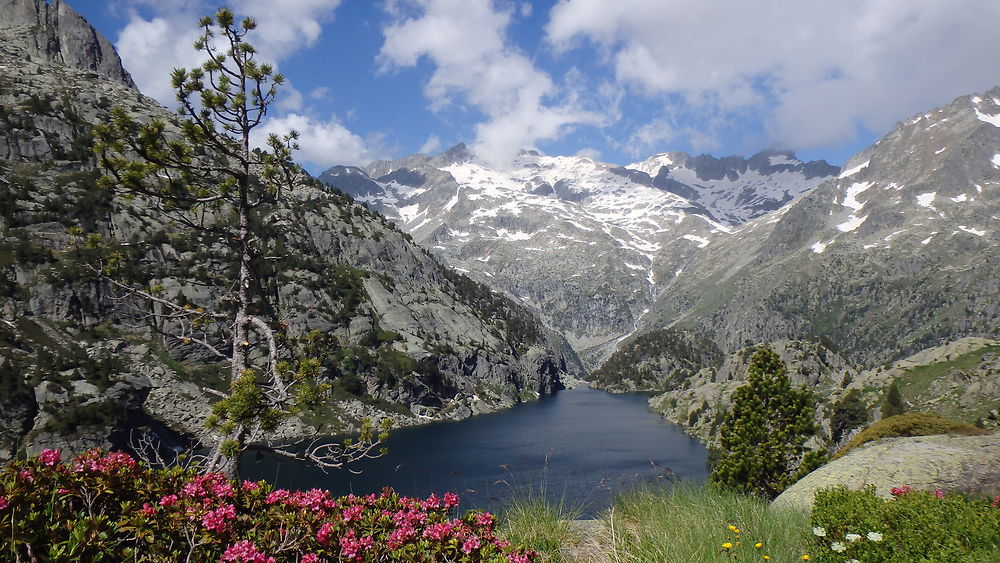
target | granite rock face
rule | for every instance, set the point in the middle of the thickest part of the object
(400, 336)
(968, 464)
(53, 32)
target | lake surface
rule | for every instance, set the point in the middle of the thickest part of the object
(578, 447)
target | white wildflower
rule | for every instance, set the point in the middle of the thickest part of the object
(839, 547)
(874, 536)
(852, 537)
(819, 531)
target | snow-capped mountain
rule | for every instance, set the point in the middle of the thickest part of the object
(588, 244)
(733, 189)
(900, 252)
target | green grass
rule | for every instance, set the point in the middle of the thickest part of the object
(679, 523)
(541, 526)
(916, 386)
(691, 524)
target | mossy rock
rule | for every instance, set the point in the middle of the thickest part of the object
(909, 424)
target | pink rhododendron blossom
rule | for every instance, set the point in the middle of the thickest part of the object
(432, 502)
(49, 457)
(900, 491)
(250, 486)
(310, 558)
(147, 509)
(438, 531)
(276, 496)
(4, 503)
(26, 475)
(168, 501)
(245, 552)
(472, 544)
(216, 520)
(450, 500)
(324, 533)
(516, 558)
(353, 513)
(938, 493)
(352, 547)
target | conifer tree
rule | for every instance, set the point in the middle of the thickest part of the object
(765, 430)
(893, 403)
(202, 176)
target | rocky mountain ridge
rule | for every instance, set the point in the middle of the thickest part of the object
(589, 245)
(398, 334)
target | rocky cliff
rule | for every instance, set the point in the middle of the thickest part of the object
(398, 334)
(52, 32)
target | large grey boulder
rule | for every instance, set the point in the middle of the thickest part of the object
(969, 464)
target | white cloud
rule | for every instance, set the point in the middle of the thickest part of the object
(151, 48)
(322, 143)
(475, 64)
(813, 70)
(431, 145)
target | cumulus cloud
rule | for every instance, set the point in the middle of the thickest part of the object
(321, 142)
(475, 64)
(152, 45)
(814, 71)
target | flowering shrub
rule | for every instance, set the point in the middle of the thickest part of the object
(107, 507)
(911, 526)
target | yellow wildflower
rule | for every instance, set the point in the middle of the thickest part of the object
(732, 528)
(758, 545)
(805, 557)
(727, 545)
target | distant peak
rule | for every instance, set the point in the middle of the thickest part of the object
(455, 155)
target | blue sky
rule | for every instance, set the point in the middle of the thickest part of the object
(618, 80)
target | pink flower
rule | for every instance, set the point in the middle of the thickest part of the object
(168, 501)
(438, 531)
(516, 558)
(432, 502)
(938, 493)
(4, 503)
(310, 558)
(900, 491)
(147, 509)
(485, 520)
(471, 544)
(277, 496)
(352, 548)
(216, 520)
(249, 486)
(245, 552)
(450, 500)
(353, 512)
(49, 457)
(26, 475)
(324, 533)
(996, 501)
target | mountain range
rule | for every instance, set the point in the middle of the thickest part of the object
(894, 253)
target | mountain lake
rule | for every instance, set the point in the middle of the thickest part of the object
(578, 447)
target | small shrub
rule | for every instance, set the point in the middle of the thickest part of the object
(108, 507)
(909, 424)
(913, 526)
(892, 405)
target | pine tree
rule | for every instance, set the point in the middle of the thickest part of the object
(202, 176)
(765, 430)
(848, 413)
(893, 403)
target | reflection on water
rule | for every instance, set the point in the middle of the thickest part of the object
(578, 447)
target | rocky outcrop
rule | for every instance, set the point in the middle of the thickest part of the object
(699, 403)
(398, 335)
(53, 32)
(968, 464)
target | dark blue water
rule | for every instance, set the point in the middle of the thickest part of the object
(577, 447)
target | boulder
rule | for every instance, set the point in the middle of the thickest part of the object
(968, 464)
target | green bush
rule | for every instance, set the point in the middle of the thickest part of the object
(913, 526)
(909, 424)
(111, 508)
